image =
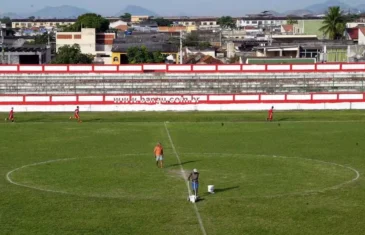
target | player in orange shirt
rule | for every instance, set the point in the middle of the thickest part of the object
(270, 114)
(76, 114)
(158, 151)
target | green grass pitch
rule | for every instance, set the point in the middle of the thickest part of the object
(301, 174)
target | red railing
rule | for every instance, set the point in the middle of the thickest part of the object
(222, 68)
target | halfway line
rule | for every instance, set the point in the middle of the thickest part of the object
(187, 183)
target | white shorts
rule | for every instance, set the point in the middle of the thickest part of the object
(159, 158)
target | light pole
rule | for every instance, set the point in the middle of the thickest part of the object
(2, 46)
(181, 48)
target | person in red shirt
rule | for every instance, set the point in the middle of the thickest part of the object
(11, 115)
(76, 114)
(270, 114)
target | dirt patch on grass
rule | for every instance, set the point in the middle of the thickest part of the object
(177, 173)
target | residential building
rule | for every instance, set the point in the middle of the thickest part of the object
(355, 24)
(361, 36)
(137, 19)
(188, 51)
(321, 50)
(287, 29)
(202, 23)
(172, 29)
(278, 51)
(352, 34)
(310, 27)
(176, 29)
(25, 55)
(155, 42)
(201, 58)
(90, 42)
(146, 26)
(261, 22)
(29, 23)
(119, 25)
(112, 19)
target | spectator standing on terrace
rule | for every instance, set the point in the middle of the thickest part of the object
(158, 151)
(270, 114)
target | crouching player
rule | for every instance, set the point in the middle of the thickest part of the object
(76, 114)
(11, 115)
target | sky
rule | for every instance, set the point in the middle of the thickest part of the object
(166, 7)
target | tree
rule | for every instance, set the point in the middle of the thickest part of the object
(6, 21)
(127, 17)
(31, 18)
(334, 23)
(43, 39)
(226, 22)
(291, 21)
(162, 22)
(140, 55)
(71, 55)
(89, 20)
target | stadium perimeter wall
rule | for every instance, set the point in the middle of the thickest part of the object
(186, 102)
(230, 102)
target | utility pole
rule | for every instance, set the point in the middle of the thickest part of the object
(2, 46)
(220, 37)
(181, 48)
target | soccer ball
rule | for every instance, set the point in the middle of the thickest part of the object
(6, 119)
(70, 118)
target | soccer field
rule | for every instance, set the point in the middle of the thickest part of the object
(301, 174)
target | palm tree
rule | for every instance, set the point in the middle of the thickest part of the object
(334, 23)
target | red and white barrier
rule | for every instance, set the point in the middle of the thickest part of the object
(193, 102)
(186, 68)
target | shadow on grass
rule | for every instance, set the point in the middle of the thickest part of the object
(221, 190)
(183, 163)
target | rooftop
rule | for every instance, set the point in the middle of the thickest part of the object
(288, 28)
(25, 49)
(353, 33)
(43, 20)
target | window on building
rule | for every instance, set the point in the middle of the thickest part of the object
(211, 23)
(254, 22)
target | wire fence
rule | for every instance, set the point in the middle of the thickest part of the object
(180, 84)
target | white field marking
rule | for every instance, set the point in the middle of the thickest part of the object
(186, 181)
(190, 122)
(303, 193)
(10, 180)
